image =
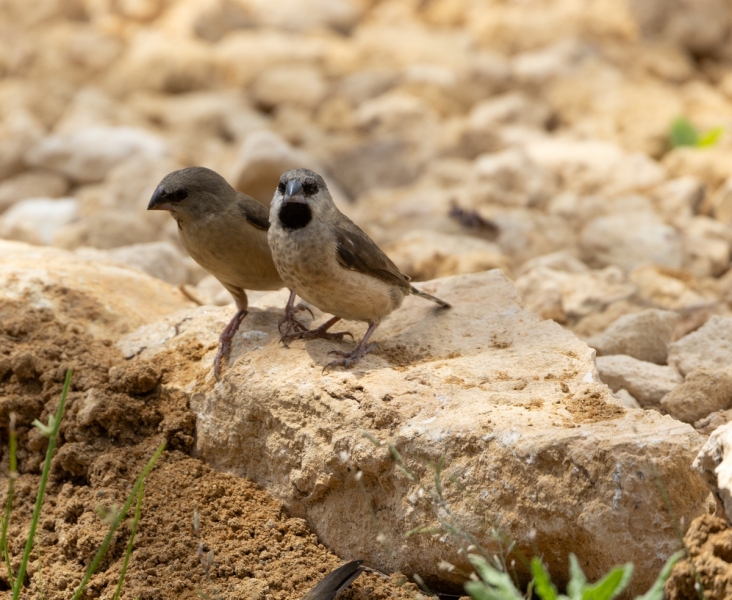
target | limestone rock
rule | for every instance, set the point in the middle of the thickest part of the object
(680, 199)
(702, 393)
(107, 299)
(106, 229)
(510, 178)
(37, 220)
(709, 347)
(644, 336)
(714, 464)
(300, 86)
(626, 399)
(87, 155)
(563, 296)
(504, 397)
(19, 131)
(263, 157)
(33, 183)
(158, 259)
(430, 255)
(630, 241)
(698, 25)
(646, 381)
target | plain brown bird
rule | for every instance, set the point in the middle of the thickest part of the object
(327, 260)
(225, 232)
(335, 582)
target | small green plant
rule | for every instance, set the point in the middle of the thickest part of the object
(50, 430)
(683, 133)
(114, 516)
(497, 585)
(9, 501)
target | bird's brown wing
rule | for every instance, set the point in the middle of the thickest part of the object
(254, 211)
(356, 251)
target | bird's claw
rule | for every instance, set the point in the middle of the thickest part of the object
(349, 358)
(292, 323)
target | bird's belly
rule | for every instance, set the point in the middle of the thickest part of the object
(350, 295)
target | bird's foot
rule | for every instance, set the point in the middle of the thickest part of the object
(227, 336)
(312, 334)
(349, 358)
(290, 323)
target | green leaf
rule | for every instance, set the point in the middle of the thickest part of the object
(577, 579)
(656, 591)
(542, 584)
(710, 138)
(611, 585)
(683, 133)
(500, 586)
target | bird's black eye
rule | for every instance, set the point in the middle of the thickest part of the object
(281, 187)
(310, 188)
(179, 195)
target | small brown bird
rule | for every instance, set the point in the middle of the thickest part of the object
(335, 582)
(330, 262)
(225, 232)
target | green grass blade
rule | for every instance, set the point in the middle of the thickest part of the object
(611, 585)
(577, 579)
(115, 523)
(42, 487)
(13, 474)
(543, 586)
(131, 543)
(683, 133)
(656, 591)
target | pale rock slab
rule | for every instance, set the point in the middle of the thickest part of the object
(87, 155)
(644, 335)
(37, 220)
(512, 403)
(562, 296)
(702, 393)
(33, 183)
(161, 260)
(430, 255)
(647, 382)
(590, 166)
(709, 347)
(110, 300)
(510, 178)
(715, 465)
(630, 241)
(263, 157)
(678, 200)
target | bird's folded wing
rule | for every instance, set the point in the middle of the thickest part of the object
(254, 211)
(358, 252)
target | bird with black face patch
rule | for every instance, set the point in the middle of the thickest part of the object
(331, 263)
(225, 232)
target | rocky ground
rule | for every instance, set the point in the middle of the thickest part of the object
(463, 136)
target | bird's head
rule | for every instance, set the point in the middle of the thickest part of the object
(301, 196)
(194, 191)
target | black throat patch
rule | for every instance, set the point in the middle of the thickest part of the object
(295, 215)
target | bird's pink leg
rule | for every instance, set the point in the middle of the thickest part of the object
(227, 335)
(350, 358)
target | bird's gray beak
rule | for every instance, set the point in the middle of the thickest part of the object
(293, 192)
(157, 202)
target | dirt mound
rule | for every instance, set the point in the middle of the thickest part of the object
(116, 415)
(709, 541)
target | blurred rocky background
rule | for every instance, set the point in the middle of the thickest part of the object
(584, 147)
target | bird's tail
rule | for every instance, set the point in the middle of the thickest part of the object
(426, 296)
